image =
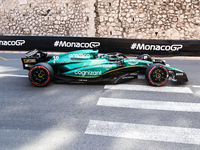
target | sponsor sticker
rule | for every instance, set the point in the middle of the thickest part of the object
(88, 73)
(31, 53)
(29, 60)
(148, 47)
(76, 44)
(133, 64)
(179, 74)
(12, 43)
(79, 55)
(107, 67)
(83, 80)
(129, 77)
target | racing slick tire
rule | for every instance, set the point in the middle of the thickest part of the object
(41, 74)
(157, 74)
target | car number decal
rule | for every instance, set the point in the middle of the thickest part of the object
(55, 57)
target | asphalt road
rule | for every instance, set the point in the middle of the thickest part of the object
(133, 115)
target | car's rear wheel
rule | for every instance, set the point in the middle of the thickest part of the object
(41, 74)
(157, 74)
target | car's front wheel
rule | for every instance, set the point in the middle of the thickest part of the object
(41, 74)
(157, 74)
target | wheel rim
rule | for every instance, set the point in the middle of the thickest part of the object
(39, 76)
(159, 76)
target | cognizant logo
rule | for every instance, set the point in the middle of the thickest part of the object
(12, 43)
(88, 73)
(147, 47)
(76, 44)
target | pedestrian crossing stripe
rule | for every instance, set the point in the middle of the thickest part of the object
(196, 86)
(144, 132)
(149, 88)
(149, 104)
(157, 133)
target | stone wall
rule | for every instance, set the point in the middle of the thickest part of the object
(148, 19)
(45, 17)
(140, 19)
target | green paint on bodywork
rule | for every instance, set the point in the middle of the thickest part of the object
(85, 64)
(136, 62)
(173, 69)
(91, 71)
(83, 54)
(142, 66)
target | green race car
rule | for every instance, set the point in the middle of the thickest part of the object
(89, 66)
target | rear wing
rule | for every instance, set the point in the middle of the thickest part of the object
(33, 57)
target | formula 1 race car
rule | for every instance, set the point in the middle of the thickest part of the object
(89, 66)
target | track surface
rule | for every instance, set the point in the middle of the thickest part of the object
(133, 115)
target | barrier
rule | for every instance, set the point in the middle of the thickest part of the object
(105, 45)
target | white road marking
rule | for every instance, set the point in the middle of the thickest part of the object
(5, 69)
(196, 86)
(149, 88)
(13, 75)
(147, 104)
(144, 132)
